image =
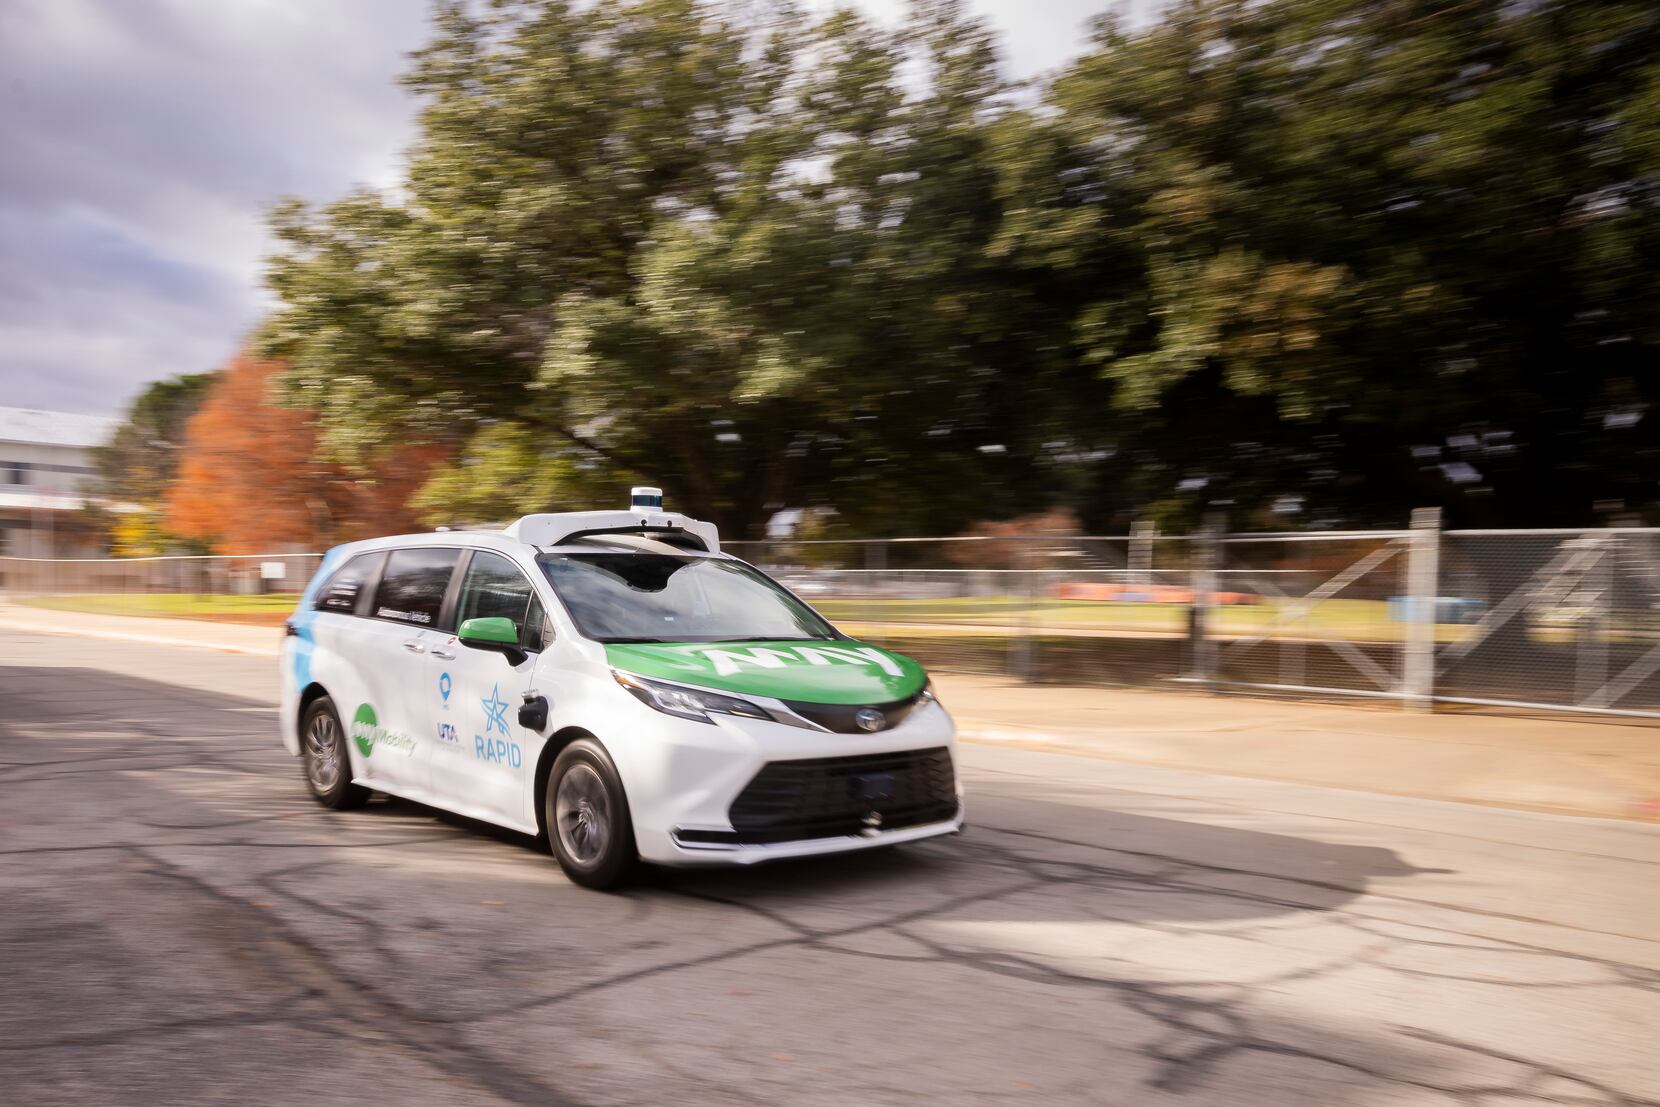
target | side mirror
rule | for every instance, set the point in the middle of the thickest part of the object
(496, 634)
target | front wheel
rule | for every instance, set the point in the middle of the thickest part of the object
(587, 817)
(328, 768)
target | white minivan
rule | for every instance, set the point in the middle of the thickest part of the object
(614, 681)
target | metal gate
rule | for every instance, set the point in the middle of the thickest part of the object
(1307, 613)
(1570, 620)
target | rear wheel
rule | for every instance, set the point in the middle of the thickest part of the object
(587, 817)
(328, 767)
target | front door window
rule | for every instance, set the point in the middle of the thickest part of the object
(494, 587)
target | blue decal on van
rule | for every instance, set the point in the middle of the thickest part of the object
(495, 712)
(304, 618)
(498, 751)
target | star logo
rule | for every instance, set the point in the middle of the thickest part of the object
(495, 712)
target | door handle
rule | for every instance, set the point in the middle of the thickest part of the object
(445, 654)
(413, 645)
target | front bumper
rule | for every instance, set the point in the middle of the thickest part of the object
(690, 855)
(683, 785)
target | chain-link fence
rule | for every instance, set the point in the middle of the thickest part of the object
(1297, 612)
(1326, 612)
(1565, 620)
(1557, 618)
(256, 588)
(1057, 609)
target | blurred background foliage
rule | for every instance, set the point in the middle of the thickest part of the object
(250, 478)
(1310, 262)
(135, 469)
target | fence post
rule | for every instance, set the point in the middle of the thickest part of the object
(1142, 532)
(1423, 561)
(1207, 557)
(1030, 586)
(1591, 660)
(875, 591)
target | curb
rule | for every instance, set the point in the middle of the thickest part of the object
(145, 639)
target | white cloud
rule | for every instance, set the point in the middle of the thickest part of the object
(144, 141)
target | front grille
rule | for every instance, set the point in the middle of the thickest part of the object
(841, 718)
(832, 797)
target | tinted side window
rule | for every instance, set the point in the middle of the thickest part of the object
(344, 588)
(494, 587)
(413, 584)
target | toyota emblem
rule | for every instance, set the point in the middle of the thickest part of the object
(870, 719)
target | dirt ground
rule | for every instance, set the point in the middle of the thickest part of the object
(1606, 767)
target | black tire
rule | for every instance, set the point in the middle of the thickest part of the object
(325, 760)
(586, 812)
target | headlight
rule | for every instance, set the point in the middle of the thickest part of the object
(688, 703)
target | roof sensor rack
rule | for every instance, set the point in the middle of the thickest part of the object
(644, 517)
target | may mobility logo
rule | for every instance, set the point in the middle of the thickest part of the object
(486, 746)
(730, 662)
(368, 734)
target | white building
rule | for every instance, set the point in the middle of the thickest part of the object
(45, 465)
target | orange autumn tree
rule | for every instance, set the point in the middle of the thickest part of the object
(249, 482)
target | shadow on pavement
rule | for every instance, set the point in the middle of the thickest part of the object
(145, 962)
(1150, 868)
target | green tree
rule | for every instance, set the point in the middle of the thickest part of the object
(1315, 260)
(1395, 253)
(645, 242)
(135, 468)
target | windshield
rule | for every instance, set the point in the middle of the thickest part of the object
(648, 597)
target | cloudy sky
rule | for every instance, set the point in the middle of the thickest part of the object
(143, 141)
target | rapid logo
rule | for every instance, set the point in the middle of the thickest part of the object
(497, 751)
(728, 662)
(367, 733)
(495, 712)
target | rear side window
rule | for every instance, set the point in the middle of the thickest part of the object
(346, 586)
(494, 586)
(413, 584)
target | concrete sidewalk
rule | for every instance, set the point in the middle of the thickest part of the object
(228, 637)
(1606, 768)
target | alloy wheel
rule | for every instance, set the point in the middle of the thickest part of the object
(322, 749)
(583, 814)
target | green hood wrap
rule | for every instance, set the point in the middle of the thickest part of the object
(840, 672)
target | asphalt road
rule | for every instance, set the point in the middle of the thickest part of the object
(180, 923)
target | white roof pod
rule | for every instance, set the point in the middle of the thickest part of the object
(645, 517)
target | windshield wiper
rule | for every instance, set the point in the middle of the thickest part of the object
(614, 641)
(795, 638)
